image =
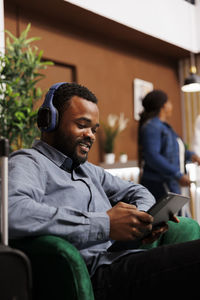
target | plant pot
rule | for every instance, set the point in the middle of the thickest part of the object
(109, 158)
(123, 158)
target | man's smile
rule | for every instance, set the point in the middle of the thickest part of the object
(85, 146)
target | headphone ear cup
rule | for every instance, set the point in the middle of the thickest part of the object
(48, 116)
(47, 119)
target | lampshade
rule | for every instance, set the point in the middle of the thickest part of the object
(192, 83)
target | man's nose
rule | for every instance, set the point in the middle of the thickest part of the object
(89, 133)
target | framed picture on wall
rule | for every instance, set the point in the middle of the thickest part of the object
(140, 88)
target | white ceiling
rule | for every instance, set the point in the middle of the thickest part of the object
(174, 21)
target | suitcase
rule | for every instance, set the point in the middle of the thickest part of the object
(15, 269)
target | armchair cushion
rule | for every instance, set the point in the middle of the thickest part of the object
(59, 271)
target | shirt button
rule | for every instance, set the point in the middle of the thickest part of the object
(100, 236)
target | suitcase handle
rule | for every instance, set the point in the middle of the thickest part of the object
(4, 151)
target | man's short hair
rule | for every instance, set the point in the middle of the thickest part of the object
(67, 90)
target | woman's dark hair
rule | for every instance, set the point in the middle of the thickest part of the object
(67, 90)
(152, 103)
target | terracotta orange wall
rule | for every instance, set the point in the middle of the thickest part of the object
(108, 70)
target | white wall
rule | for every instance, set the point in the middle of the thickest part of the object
(198, 25)
(2, 42)
(174, 21)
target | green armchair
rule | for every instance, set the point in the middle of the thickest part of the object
(59, 271)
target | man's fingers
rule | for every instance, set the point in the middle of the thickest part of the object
(174, 219)
(126, 205)
(127, 222)
(155, 234)
(145, 217)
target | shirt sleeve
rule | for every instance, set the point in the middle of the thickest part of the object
(118, 189)
(29, 216)
(188, 155)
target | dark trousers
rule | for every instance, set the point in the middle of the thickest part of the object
(160, 188)
(156, 188)
(171, 270)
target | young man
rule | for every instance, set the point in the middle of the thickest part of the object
(54, 190)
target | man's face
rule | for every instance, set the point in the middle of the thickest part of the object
(77, 129)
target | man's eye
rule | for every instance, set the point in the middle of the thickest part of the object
(81, 126)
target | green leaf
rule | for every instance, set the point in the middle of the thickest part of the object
(33, 39)
(11, 36)
(19, 115)
(47, 63)
(40, 55)
(24, 33)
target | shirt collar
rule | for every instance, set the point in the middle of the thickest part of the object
(61, 160)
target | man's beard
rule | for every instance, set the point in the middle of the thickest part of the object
(77, 160)
(71, 151)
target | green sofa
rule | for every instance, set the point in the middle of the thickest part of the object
(59, 272)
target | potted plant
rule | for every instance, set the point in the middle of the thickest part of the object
(115, 124)
(19, 69)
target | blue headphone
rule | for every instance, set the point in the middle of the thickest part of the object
(47, 118)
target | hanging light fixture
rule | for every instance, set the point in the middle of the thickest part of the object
(192, 82)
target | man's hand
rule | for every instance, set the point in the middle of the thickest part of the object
(155, 234)
(158, 230)
(128, 223)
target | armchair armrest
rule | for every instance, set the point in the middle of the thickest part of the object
(59, 271)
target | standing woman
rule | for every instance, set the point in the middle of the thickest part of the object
(162, 153)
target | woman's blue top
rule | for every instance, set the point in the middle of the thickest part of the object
(160, 153)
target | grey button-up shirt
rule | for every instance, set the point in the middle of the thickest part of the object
(48, 196)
